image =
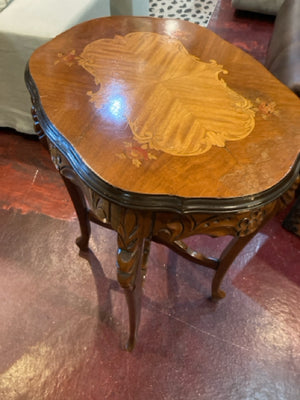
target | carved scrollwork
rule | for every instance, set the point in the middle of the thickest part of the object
(130, 242)
(172, 228)
(56, 157)
(36, 124)
(62, 165)
(100, 206)
(251, 223)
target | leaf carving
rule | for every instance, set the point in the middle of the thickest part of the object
(173, 101)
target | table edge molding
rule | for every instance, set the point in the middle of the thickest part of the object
(152, 202)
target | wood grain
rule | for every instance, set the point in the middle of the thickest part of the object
(257, 165)
(186, 108)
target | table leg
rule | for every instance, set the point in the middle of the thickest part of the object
(133, 248)
(146, 252)
(133, 298)
(226, 259)
(246, 227)
(81, 209)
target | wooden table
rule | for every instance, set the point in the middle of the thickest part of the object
(162, 130)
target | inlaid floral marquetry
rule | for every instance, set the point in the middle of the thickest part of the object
(267, 109)
(199, 110)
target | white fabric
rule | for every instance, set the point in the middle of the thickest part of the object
(129, 7)
(24, 26)
(4, 4)
(27, 24)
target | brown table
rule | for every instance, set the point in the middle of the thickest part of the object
(162, 130)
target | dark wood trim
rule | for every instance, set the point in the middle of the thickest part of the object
(160, 203)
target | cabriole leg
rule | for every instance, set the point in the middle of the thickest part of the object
(146, 252)
(226, 259)
(132, 254)
(81, 209)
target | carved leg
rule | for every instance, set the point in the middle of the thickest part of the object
(248, 227)
(132, 254)
(145, 258)
(226, 259)
(133, 298)
(80, 206)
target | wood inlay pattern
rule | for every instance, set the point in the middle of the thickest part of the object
(199, 109)
(161, 105)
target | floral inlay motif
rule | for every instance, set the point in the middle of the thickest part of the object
(266, 108)
(69, 59)
(136, 153)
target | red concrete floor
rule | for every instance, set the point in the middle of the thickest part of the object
(63, 318)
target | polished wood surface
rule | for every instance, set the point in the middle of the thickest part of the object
(179, 97)
(168, 108)
(162, 131)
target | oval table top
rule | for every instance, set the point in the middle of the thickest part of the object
(164, 114)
